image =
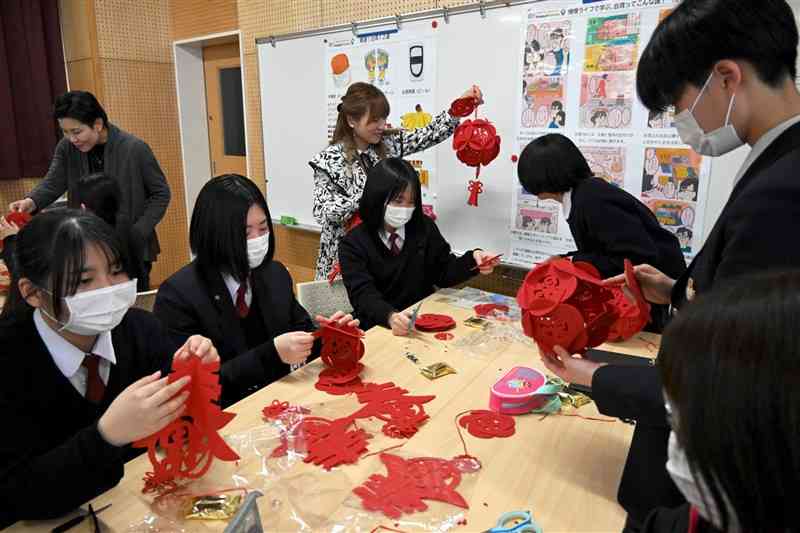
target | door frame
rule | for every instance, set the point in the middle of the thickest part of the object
(192, 111)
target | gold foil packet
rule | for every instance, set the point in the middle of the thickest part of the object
(476, 322)
(437, 370)
(213, 507)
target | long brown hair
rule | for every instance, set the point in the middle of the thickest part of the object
(361, 99)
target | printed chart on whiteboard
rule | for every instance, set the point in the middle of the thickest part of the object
(403, 66)
(578, 78)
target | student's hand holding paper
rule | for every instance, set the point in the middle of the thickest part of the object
(571, 368)
(400, 323)
(656, 286)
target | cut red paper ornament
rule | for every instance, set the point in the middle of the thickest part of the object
(566, 304)
(463, 107)
(275, 409)
(490, 309)
(342, 346)
(444, 336)
(340, 376)
(475, 188)
(486, 424)
(192, 442)
(330, 442)
(432, 322)
(19, 218)
(475, 141)
(340, 389)
(407, 483)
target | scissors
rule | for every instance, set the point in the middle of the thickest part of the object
(489, 261)
(515, 522)
(414, 315)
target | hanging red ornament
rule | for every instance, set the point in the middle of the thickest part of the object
(475, 188)
(475, 141)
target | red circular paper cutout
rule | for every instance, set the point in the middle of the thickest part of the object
(444, 336)
(487, 424)
(434, 322)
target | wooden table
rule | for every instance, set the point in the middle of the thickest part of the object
(564, 469)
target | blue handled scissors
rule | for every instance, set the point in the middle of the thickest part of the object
(515, 522)
(414, 315)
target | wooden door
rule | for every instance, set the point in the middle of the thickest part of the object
(224, 103)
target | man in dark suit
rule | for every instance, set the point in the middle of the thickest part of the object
(730, 71)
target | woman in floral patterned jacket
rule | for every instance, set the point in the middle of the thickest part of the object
(360, 140)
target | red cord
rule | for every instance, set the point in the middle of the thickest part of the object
(384, 450)
(458, 428)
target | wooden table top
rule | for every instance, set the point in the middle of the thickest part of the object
(564, 469)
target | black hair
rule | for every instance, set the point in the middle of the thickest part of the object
(551, 164)
(386, 181)
(597, 114)
(557, 104)
(730, 369)
(561, 118)
(686, 183)
(217, 233)
(684, 231)
(51, 253)
(101, 194)
(699, 33)
(81, 106)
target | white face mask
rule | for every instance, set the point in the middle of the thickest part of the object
(257, 249)
(99, 310)
(397, 217)
(681, 474)
(714, 143)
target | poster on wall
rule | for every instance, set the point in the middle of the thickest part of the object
(403, 66)
(578, 72)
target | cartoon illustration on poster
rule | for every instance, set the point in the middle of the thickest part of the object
(376, 61)
(606, 162)
(340, 70)
(676, 216)
(415, 119)
(671, 173)
(545, 66)
(541, 218)
(606, 100)
(612, 43)
(663, 120)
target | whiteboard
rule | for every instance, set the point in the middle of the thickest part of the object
(471, 49)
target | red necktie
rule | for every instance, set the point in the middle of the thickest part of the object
(393, 244)
(241, 303)
(95, 388)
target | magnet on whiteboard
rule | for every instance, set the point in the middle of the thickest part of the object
(514, 158)
(434, 24)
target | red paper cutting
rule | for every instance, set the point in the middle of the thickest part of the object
(463, 107)
(487, 424)
(434, 322)
(19, 218)
(340, 376)
(490, 309)
(444, 336)
(566, 304)
(192, 442)
(476, 143)
(341, 345)
(330, 442)
(409, 482)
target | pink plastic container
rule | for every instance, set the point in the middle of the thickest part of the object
(514, 393)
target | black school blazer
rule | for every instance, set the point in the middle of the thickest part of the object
(753, 234)
(189, 303)
(610, 225)
(52, 457)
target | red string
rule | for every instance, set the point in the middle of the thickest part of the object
(384, 528)
(650, 345)
(384, 450)
(458, 428)
(590, 417)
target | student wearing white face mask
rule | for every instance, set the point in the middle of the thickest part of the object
(235, 293)
(729, 68)
(397, 256)
(731, 378)
(82, 371)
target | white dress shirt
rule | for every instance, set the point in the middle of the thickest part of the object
(401, 237)
(233, 288)
(69, 358)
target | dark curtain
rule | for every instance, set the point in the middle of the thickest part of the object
(31, 76)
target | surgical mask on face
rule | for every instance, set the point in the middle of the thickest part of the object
(99, 310)
(714, 143)
(397, 217)
(257, 249)
(681, 474)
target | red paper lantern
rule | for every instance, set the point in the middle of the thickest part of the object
(565, 304)
(476, 143)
